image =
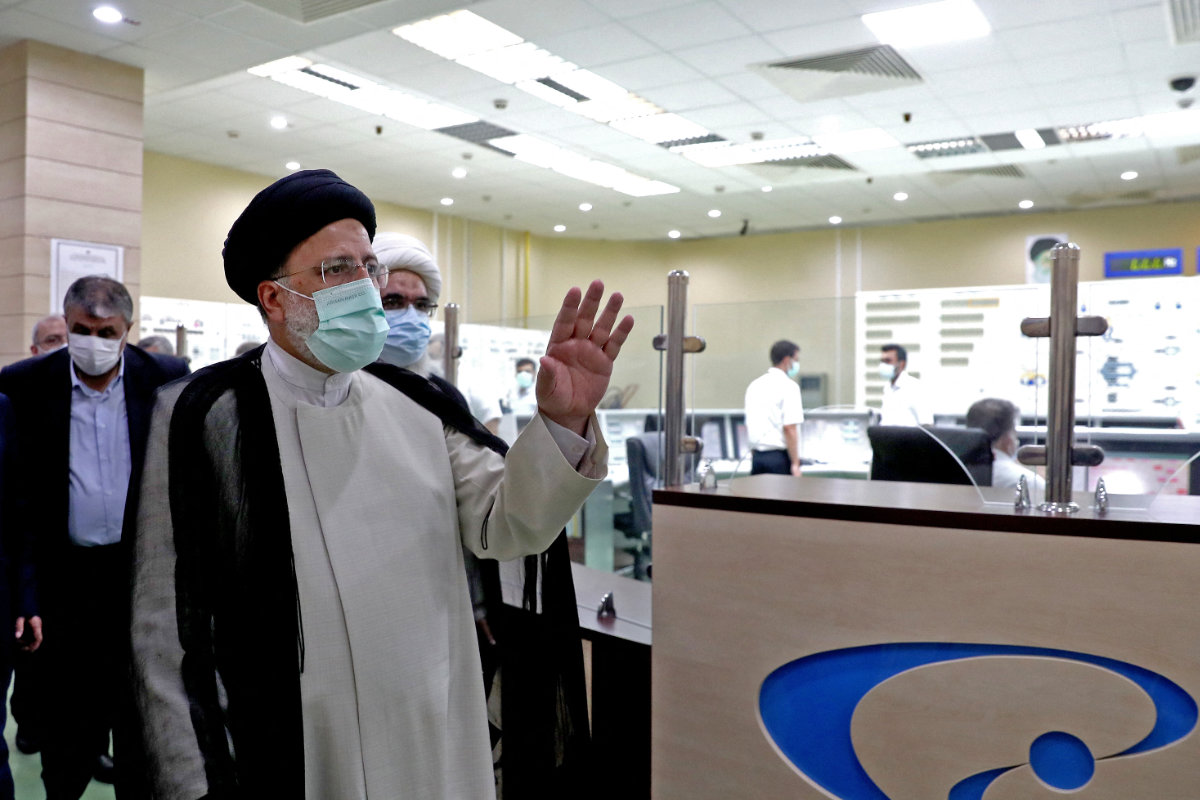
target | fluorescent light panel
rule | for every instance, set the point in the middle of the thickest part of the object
(476, 43)
(358, 92)
(1030, 139)
(541, 153)
(931, 23)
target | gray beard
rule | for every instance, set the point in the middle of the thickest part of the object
(300, 322)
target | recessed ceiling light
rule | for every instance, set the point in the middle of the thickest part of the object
(835, 220)
(1030, 139)
(585, 206)
(930, 23)
(447, 201)
(768, 188)
(1128, 175)
(293, 165)
(673, 234)
(279, 122)
(716, 212)
(900, 197)
(108, 14)
(559, 228)
(1025, 204)
(459, 172)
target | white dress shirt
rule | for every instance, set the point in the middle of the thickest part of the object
(772, 401)
(905, 403)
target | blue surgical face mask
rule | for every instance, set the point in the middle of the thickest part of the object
(793, 371)
(408, 336)
(352, 325)
(524, 379)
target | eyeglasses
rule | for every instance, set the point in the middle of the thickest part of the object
(394, 301)
(336, 271)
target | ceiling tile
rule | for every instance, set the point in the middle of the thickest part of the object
(687, 26)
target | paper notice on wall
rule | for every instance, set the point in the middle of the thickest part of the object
(71, 260)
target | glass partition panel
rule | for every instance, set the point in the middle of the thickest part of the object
(612, 532)
(739, 338)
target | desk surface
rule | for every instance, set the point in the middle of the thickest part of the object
(1172, 518)
(631, 599)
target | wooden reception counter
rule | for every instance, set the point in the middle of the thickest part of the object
(891, 641)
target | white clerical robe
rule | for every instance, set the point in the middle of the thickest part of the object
(381, 501)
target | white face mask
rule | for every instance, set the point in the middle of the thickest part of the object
(92, 354)
(887, 371)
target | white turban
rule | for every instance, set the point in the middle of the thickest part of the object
(400, 251)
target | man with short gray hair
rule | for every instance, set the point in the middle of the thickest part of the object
(82, 416)
(49, 334)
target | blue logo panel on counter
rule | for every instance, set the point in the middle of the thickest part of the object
(1143, 263)
(807, 707)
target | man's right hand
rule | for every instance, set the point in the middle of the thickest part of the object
(29, 635)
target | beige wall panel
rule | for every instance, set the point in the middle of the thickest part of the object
(37, 257)
(59, 103)
(72, 144)
(12, 255)
(12, 178)
(63, 220)
(24, 294)
(187, 209)
(12, 140)
(84, 72)
(12, 217)
(14, 336)
(72, 183)
(807, 585)
(13, 62)
(12, 99)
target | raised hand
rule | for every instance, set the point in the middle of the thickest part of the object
(578, 363)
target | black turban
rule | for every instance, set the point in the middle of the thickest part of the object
(282, 216)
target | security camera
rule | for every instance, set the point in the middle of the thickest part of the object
(1183, 83)
(500, 103)
(1185, 102)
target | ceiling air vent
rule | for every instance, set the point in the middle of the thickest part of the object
(840, 74)
(312, 10)
(1005, 171)
(476, 132)
(1188, 153)
(1184, 16)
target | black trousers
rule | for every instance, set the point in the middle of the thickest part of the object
(775, 462)
(86, 626)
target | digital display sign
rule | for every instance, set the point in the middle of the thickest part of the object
(1143, 263)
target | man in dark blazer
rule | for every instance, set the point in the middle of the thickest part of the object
(83, 414)
(16, 578)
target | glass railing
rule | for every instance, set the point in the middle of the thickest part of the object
(1135, 397)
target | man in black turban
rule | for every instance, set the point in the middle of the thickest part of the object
(299, 596)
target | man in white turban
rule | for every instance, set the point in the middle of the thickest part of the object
(409, 301)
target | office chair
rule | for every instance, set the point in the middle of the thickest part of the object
(643, 454)
(902, 453)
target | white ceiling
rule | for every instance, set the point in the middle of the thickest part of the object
(1047, 63)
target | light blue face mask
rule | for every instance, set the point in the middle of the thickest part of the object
(793, 371)
(407, 337)
(352, 325)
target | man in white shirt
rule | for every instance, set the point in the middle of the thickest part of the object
(301, 621)
(904, 399)
(998, 419)
(774, 413)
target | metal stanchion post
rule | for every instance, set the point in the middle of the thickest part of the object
(675, 444)
(1058, 455)
(450, 349)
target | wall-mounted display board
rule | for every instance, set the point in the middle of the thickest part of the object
(965, 343)
(214, 330)
(1143, 263)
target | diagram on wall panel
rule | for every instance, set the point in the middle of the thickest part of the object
(965, 343)
(214, 330)
(489, 355)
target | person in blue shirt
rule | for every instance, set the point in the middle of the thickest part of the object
(82, 415)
